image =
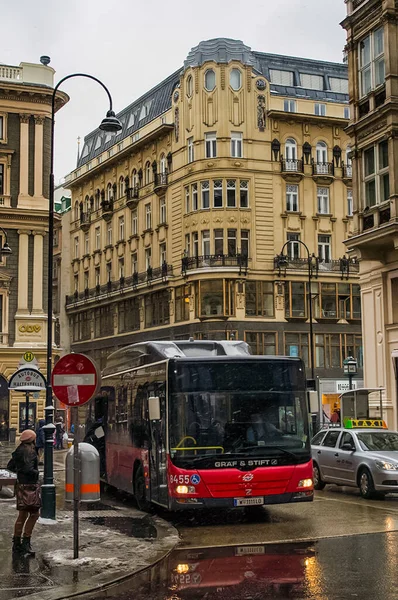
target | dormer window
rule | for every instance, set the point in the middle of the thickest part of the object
(210, 80)
(189, 86)
(235, 79)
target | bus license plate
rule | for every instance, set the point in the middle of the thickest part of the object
(247, 550)
(249, 501)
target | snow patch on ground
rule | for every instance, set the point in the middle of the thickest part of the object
(65, 557)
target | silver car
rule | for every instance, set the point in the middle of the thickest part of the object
(364, 458)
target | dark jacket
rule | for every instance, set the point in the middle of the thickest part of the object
(24, 463)
(40, 437)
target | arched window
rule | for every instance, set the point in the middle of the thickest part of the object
(134, 178)
(290, 155)
(321, 152)
(235, 79)
(109, 195)
(348, 159)
(162, 163)
(147, 172)
(97, 200)
(210, 80)
(76, 211)
(121, 187)
(189, 86)
(86, 204)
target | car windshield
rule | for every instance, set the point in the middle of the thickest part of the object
(378, 441)
(215, 420)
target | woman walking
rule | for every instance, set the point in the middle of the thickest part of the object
(25, 464)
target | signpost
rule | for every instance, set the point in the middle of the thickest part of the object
(75, 380)
(27, 379)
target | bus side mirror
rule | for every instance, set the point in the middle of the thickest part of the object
(154, 408)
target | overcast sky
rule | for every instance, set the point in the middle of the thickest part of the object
(132, 45)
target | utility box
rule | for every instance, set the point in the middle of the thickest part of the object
(89, 477)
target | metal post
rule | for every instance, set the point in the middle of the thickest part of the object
(110, 123)
(27, 410)
(350, 382)
(310, 315)
(76, 485)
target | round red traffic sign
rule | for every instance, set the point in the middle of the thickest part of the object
(75, 379)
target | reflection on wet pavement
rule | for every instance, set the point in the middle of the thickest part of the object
(141, 528)
(363, 566)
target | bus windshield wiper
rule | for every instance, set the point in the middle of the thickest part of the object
(247, 448)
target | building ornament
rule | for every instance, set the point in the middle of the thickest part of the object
(177, 123)
(24, 118)
(24, 231)
(29, 328)
(374, 129)
(39, 119)
(261, 112)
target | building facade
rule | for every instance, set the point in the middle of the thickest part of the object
(176, 221)
(372, 49)
(25, 111)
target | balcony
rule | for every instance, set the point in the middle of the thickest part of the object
(132, 195)
(189, 263)
(292, 169)
(123, 285)
(85, 220)
(323, 172)
(342, 266)
(161, 183)
(347, 171)
(107, 209)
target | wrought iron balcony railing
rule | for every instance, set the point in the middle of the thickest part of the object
(323, 168)
(219, 260)
(123, 284)
(291, 165)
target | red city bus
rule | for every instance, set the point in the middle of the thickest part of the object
(205, 424)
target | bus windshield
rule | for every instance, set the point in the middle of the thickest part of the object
(221, 410)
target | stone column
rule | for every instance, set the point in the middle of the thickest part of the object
(23, 268)
(38, 175)
(24, 156)
(37, 302)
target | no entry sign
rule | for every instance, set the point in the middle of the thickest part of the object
(75, 379)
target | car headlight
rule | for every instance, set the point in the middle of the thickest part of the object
(386, 466)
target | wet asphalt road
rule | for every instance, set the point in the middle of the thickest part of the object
(343, 547)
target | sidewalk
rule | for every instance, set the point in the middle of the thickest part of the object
(115, 542)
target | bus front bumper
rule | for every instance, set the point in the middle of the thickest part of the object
(191, 503)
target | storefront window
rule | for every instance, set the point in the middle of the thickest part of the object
(261, 342)
(181, 299)
(295, 299)
(259, 299)
(215, 298)
(157, 310)
(296, 344)
(129, 315)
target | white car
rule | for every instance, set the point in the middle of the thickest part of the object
(364, 458)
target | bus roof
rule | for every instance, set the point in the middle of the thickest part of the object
(144, 353)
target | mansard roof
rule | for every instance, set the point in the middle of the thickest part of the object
(158, 100)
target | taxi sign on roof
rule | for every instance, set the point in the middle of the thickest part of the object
(364, 423)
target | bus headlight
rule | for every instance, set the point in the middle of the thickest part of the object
(305, 483)
(185, 489)
(182, 568)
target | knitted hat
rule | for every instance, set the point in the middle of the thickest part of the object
(27, 436)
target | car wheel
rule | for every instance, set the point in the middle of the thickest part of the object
(318, 483)
(366, 485)
(140, 491)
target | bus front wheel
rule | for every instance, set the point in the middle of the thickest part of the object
(140, 492)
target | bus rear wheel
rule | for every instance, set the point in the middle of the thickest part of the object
(140, 492)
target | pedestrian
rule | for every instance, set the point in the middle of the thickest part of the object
(25, 464)
(40, 440)
(59, 433)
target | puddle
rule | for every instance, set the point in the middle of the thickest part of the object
(130, 526)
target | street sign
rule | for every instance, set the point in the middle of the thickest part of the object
(28, 360)
(75, 379)
(28, 356)
(27, 380)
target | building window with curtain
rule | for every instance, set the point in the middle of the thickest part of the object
(293, 246)
(376, 172)
(211, 145)
(371, 61)
(292, 203)
(325, 248)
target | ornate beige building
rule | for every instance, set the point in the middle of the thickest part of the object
(372, 47)
(176, 221)
(25, 111)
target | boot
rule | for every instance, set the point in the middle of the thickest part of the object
(16, 544)
(27, 548)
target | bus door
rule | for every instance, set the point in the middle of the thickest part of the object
(158, 459)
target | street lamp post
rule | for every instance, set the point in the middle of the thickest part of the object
(350, 366)
(111, 124)
(282, 261)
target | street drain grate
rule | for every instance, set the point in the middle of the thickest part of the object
(21, 580)
(141, 528)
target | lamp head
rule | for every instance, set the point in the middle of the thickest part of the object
(282, 261)
(110, 124)
(5, 249)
